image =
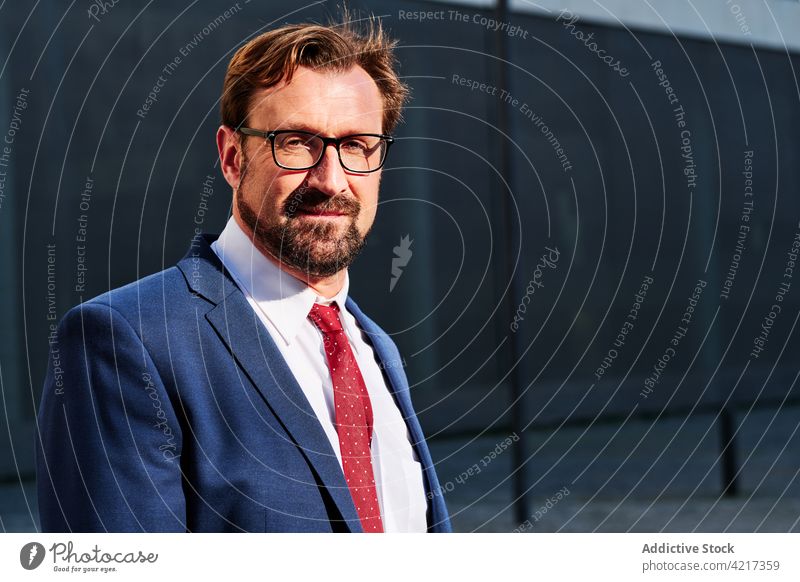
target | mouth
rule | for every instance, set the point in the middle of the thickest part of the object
(320, 213)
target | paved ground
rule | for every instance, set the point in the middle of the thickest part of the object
(570, 514)
(642, 477)
(18, 509)
(578, 515)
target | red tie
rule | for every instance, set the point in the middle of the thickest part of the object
(353, 416)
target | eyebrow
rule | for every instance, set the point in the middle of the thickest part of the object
(300, 126)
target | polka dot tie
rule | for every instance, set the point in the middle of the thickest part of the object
(353, 415)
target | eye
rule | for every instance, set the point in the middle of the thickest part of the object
(295, 141)
(355, 146)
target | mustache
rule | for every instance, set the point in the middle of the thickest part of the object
(314, 200)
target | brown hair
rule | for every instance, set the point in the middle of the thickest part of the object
(274, 56)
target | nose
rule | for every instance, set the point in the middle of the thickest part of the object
(328, 176)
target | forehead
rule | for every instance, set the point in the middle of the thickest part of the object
(331, 102)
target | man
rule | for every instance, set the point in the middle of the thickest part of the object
(243, 390)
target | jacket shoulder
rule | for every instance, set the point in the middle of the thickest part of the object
(158, 292)
(164, 287)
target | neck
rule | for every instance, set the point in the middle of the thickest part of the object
(325, 287)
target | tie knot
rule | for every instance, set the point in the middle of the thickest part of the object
(326, 318)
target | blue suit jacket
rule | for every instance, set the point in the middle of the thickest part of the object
(168, 407)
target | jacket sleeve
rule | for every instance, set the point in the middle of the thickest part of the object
(108, 441)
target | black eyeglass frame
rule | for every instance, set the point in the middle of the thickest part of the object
(326, 141)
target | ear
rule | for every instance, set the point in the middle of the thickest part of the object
(230, 155)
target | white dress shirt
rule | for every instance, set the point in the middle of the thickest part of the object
(282, 303)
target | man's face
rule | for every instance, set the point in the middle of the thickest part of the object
(313, 221)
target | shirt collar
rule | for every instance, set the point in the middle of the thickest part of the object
(284, 299)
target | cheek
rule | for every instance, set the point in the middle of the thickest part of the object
(270, 188)
(368, 212)
(367, 194)
(366, 217)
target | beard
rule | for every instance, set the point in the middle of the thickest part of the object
(312, 247)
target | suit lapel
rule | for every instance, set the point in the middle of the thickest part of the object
(392, 366)
(256, 353)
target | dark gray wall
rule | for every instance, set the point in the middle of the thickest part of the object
(622, 211)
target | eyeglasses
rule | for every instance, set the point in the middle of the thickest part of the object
(361, 153)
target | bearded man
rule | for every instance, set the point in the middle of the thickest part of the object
(243, 389)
